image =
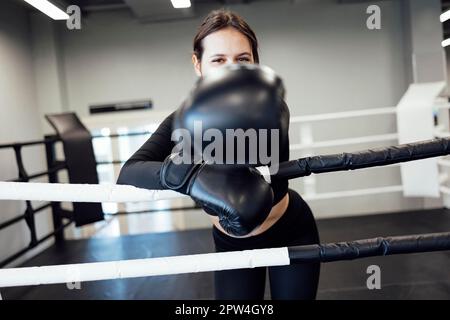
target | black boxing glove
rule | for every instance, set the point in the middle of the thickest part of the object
(239, 196)
(239, 112)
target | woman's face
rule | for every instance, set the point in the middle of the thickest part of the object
(223, 47)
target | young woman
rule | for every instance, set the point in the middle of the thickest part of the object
(225, 38)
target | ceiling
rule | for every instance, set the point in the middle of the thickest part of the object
(157, 10)
(151, 10)
(154, 5)
(160, 10)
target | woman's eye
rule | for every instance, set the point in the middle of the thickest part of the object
(244, 60)
(220, 60)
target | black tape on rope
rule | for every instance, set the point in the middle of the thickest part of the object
(370, 248)
(363, 159)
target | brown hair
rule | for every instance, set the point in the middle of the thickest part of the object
(219, 19)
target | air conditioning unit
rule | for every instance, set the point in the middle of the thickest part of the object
(121, 106)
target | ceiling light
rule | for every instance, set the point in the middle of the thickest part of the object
(49, 9)
(445, 16)
(446, 42)
(178, 4)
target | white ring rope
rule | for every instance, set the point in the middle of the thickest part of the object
(89, 192)
(82, 272)
(81, 192)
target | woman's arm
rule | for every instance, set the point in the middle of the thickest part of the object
(142, 169)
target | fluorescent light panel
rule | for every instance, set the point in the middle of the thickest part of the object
(49, 9)
(446, 42)
(179, 4)
(445, 16)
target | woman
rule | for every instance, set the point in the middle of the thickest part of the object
(225, 38)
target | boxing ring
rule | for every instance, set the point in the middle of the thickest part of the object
(327, 252)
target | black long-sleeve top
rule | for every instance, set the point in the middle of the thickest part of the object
(142, 169)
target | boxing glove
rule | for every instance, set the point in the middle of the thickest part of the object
(239, 196)
(239, 113)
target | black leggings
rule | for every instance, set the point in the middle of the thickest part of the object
(296, 227)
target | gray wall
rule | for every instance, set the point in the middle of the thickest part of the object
(19, 120)
(115, 58)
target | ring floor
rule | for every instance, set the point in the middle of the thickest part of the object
(408, 276)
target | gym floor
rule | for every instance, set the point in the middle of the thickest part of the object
(411, 276)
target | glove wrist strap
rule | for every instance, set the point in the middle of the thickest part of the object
(175, 176)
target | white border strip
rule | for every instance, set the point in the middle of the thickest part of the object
(82, 272)
(351, 193)
(344, 142)
(344, 114)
